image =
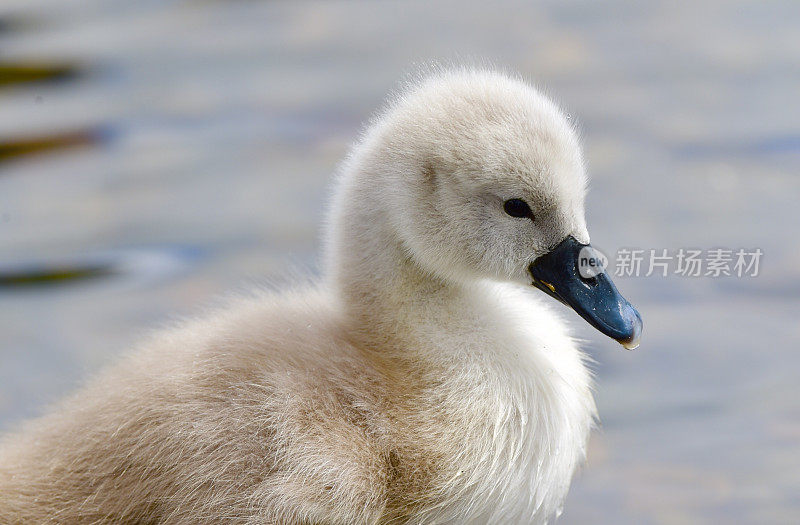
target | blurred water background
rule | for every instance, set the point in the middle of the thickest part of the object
(156, 154)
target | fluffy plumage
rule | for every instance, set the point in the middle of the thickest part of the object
(421, 381)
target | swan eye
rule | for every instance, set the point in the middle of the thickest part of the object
(518, 208)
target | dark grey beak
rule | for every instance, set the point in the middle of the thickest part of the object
(595, 298)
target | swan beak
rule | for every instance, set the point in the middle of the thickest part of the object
(592, 295)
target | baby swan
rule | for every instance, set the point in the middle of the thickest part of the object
(422, 381)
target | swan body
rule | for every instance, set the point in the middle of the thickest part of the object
(422, 380)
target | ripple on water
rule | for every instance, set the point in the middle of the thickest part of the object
(14, 148)
(118, 268)
(36, 71)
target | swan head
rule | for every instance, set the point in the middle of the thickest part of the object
(482, 176)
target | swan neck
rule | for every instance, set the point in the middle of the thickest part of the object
(378, 284)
